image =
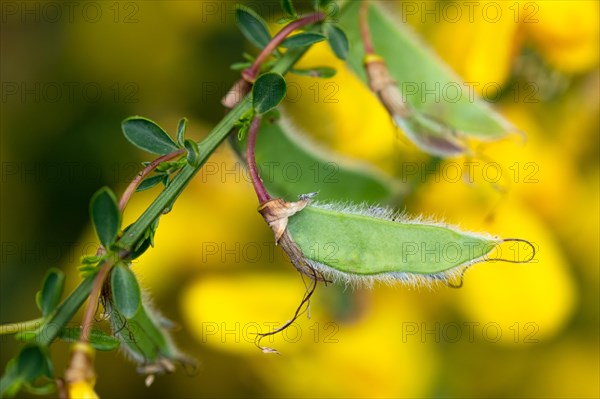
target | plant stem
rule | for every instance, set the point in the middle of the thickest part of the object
(67, 309)
(242, 87)
(90, 288)
(90, 310)
(207, 146)
(364, 27)
(13, 328)
(65, 312)
(142, 174)
(259, 188)
(251, 73)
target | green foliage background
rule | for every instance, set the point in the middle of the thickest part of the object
(60, 142)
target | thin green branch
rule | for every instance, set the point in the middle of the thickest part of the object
(14, 328)
(207, 147)
(65, 312)
(75, 300)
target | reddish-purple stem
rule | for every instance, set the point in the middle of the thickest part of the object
(364, 28)
(143, 173)
(259, 188)
(90, 309)
(251, 73)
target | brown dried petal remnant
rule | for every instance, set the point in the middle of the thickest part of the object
(276, 213)
(384, 86)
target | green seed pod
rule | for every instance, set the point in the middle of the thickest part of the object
(362, 244)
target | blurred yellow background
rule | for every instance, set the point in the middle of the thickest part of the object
(71, 73)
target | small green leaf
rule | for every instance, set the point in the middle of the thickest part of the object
(242, 131)
(10, 383)
(90, 259)
(98, 339)
(338, 41)
(167, 167)
(193, 152)
(302, 40)
(126, 294)
(252, 26)
(39, 390)
(52, 289)
(288, 7)
(316, 72)
(165, 180)
(150, 182)
(144, 243)
(284, 20)
(268, 91)
(248, 57)
(238, 66)
(320, 5)
(181, 131)
(141, 248)
(147, 135)
(31, 363)
(106, 216)
(23, 370)
(87, 270)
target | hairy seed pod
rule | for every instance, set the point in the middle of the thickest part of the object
(362, 244)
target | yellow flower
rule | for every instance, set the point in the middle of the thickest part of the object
(226, 312)
(371, 355)
(570, 369)
(368, 355)
(218, 209)
(566, 33)
(82, 390)
(480, 45)
(513, 303)
(80, 375)
(341, 112)
(537, 169)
